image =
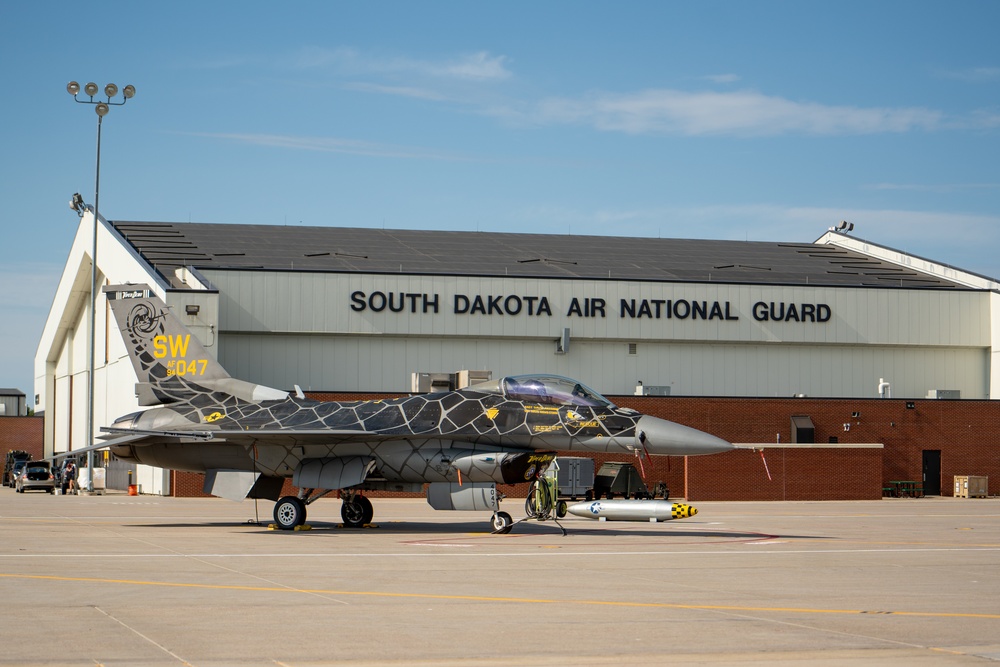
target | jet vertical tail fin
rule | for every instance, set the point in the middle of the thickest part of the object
(170, 363)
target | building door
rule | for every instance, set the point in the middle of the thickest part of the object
(932, 472)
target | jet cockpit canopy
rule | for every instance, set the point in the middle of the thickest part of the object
(546, 389)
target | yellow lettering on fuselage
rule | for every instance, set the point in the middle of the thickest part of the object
(177, 346)
(542, 409)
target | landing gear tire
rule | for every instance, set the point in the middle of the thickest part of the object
(357, 511)
(502, 523)
(289, 512)
(562, 507)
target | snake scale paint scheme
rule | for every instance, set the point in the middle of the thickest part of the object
(248, 438)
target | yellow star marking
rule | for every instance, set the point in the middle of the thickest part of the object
(214, 417)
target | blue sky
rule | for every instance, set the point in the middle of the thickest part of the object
(760, 121)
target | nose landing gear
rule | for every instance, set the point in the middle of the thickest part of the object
(502, 523)
(289, 513)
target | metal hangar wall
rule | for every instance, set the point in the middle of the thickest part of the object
(360, 310)
(350, 332)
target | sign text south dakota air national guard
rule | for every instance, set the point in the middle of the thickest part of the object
(514, 305)
(247, 438)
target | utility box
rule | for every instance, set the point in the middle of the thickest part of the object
(429, 383)
(944, 393)
(100, 478)
(575, 476)
(971, 486)
(468, 378)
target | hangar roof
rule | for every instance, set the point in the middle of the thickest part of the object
(167, 246)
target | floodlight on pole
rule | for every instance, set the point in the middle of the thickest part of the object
(102, 108)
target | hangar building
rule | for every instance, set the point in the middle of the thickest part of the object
(723, 331)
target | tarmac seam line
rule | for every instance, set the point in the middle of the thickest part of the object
(513, 600)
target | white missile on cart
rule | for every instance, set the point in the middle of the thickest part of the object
(632, 510)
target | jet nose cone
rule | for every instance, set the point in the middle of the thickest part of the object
(667, 438)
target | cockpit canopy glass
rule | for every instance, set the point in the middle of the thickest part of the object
(551, 390)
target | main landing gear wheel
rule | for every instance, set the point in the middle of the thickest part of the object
(502, 523)
(357, 511)
(289, 512)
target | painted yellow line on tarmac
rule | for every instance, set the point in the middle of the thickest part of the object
(513, 600)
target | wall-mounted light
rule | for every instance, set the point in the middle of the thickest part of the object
(76, 203)
(844, 227)
(855, 415)
(562, 343)
(192, 309)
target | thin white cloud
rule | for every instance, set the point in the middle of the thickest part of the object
(940, 188)
(973, 74)
(964, 240)
(722, 78)
(309, 57)
(414, 92)
(480, 66)
(741, 113)
(220, 62)
(882, 225)
(335, 145)
(978, 120)
(934, 234)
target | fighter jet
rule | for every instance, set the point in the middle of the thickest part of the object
(247, 438)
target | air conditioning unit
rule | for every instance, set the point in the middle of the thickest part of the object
(944, 393)
(468, 378)
(428, 383)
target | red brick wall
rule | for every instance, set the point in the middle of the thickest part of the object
(966, 432)
(795, 474)
(190, 485)
(22, 433)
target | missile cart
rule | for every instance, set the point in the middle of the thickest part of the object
(622, 480)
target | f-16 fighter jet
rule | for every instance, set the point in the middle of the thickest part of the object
(247, 438)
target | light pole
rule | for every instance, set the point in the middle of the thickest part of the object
(102, 108)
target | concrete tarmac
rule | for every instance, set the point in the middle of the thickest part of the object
(120, 580)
